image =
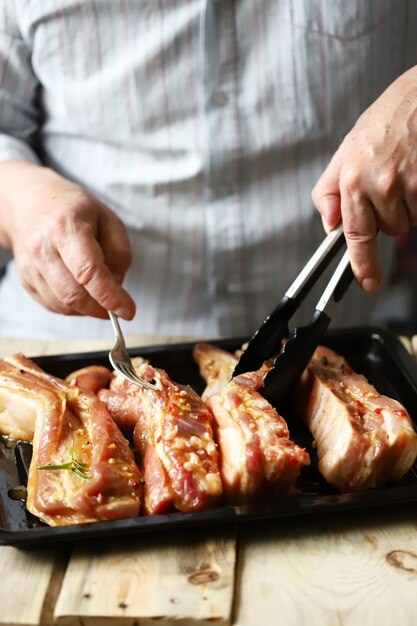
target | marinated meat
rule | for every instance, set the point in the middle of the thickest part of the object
(82, 468)
(92, 377)
(255, 449)
(20, 401)
(216, 368)
(173, 433)
(122, 407)
(363, 438)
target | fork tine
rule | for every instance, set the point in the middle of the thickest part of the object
(130, 375)
(120, 360)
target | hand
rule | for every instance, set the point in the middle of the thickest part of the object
(371, 182)
(71, 251)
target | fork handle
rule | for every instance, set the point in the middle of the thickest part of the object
(116, 327)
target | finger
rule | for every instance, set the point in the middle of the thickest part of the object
(74, 298)
(65, 295)
(360, 230)
(393, 219)
(84, 258)
(115, 244)
(326, 193)
(40, 291)
(385, 194)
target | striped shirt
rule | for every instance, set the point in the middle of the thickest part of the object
(204, 124)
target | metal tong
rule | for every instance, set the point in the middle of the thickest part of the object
(292, 351)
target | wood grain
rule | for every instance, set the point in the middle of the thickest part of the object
(322, 571)
(25, 578)
(151, 579)
(27, 586)
(361, 569)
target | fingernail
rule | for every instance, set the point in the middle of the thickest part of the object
(326, 226)
(124, 313)
(370, 284)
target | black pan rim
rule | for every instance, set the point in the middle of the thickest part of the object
(301, 505)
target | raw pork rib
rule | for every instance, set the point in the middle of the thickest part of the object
(72, 428)
(255, 449)
(363, 438)
(20, 401)
(173, 433)
(92, 377)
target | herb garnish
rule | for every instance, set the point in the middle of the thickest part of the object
(78, 468)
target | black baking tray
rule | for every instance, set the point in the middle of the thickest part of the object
(375, 352)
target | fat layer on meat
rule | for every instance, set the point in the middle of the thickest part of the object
(97, 477)
(363, 438)
(92, 377)
(255, 450)
(20, 401)
(173, 431)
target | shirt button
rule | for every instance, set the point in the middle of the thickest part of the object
(219, 99)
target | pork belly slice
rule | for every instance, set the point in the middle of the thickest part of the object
(17, 415)
(122, 407)
(363, 438)
(173, 433)
(122, 401)
(20, 401)
(100, 479)
(216, 367)
(92, 377)
(257, 456)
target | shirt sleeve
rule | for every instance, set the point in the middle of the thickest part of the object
(19, 115)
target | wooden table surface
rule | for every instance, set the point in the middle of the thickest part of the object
(328, 571)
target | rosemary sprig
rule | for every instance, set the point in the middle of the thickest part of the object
(78, 468)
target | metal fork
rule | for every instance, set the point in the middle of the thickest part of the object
(120, 360)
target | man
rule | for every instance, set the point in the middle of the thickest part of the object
(173, 146)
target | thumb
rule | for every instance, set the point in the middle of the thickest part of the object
(326, 194)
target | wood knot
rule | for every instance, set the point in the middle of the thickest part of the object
(203, 576)
(403, 560)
